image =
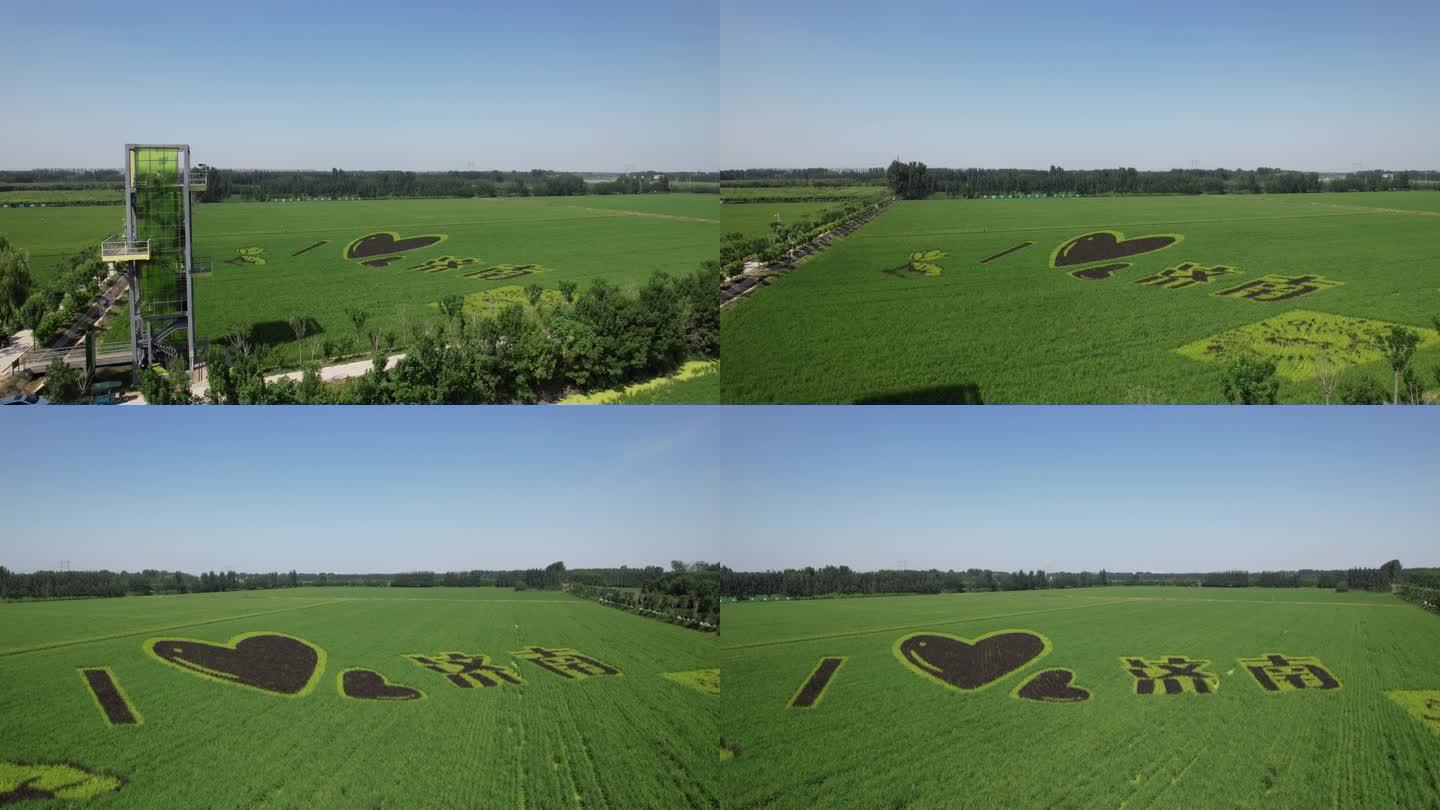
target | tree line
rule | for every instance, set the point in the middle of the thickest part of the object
(915, 180)
(842, 580)
(76, 584)
(266, 184)
(736, 247)
(49, 307)
(104, 583)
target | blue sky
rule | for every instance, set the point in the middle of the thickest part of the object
(356, 489)
(1058, 488)
(1071, 488)
(1322, 86)
(417, 85)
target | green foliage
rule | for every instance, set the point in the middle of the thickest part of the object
(689, 598)
(15, 285)
(1361, 390)
(733, 195)
(452, 305)
(567, 289)
(779, 237)
(1250, 381)
(63, 384)
(1399, 348)
(909, 180)
(165, 386)
(606, 339)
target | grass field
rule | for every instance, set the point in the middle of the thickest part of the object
(47, 234)
(636, 739)
(1017, 329)
(885, 733)
(109, 195)
(754, 219)
(259, 282)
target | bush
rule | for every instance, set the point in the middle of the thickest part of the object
(1342, 586)
(49, 327)
(1250, 381)
(521, 586)
(1363, 391)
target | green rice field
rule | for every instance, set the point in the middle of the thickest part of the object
(1134, 697)
(273, 261)
(308, 698)
(1100, 300)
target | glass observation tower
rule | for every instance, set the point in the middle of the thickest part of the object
(155, 250)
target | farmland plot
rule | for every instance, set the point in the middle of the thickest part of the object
(345, 697)
(1094, 300)
(1102, 697)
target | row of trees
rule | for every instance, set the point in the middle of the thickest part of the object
(552, 576)
(1428, 598)
(915, 180)
(79, 584)
(599, 339)
(59, 179)
(689, 597)
(736, 247)
(775, 178)
(264, 184)
(51, 307)
(1252, 380)
(75, 584)
(842, 580)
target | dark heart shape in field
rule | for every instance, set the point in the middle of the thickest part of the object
(365, 684)
(1108, 245)
(386, 242)
(1053, 686)
(271, 662)
(970, 664)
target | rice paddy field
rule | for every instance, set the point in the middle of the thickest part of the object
(396, 258)
(1130, 697)
(356, 697)
(753, 219)
(1093, 300)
